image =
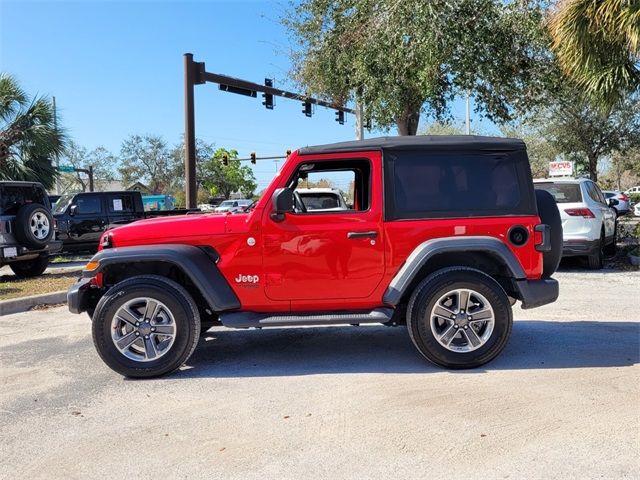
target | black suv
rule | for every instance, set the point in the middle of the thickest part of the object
(26, 228)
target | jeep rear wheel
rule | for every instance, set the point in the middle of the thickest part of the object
(145, 326)
(459, 318)
(30, 268)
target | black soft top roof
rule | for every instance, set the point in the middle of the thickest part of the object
(421, 142)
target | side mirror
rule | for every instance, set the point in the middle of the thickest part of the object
(73, 209)
(612, 202)
(282, 201)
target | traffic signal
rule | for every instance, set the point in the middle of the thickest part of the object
(306, 108)
(253, 157)
(268, 98)
(225, 159)
(340, 117)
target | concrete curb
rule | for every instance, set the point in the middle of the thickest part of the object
(16, 305)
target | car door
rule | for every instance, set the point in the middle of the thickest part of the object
(331, 255)
(608, 214)
(121, 208)
(87, 219)
(603, 211)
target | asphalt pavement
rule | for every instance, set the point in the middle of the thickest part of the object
(562, 401)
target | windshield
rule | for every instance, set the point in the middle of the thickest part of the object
(62, 204)
(226, 203)
(562, 192)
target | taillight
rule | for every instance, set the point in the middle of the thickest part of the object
(580, 212)
(542, 237)
(624, 197)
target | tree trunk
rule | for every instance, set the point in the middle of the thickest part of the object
(593, 167)
(407, 122)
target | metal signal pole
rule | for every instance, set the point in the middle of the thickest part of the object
(55, 127)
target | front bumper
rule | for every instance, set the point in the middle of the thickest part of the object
(80, 295)
(535, 293)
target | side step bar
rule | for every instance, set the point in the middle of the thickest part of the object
(259, 320)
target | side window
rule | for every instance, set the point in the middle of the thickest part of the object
(433, 184)
(593, 194)
(332, 186)
(121, 203)
(600, 194)
(89, 204)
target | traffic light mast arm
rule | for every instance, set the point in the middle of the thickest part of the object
(203, 76)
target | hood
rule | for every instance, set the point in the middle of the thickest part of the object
(169, 228)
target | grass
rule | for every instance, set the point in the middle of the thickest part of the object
(70, 258)
(14, 287)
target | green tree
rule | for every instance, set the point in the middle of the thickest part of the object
(405, 58)
(29, 140)
(578, 128)
(623, 170)
(104, 165)
(539, 149)
(597, 44)
(223, 180)
(147, 159)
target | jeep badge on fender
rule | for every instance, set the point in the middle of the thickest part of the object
(441, 234)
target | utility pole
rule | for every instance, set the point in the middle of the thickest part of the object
(359, 120)
(468, 116)
(55, 128)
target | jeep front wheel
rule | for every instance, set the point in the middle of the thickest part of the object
(145, 326)
(459, 318)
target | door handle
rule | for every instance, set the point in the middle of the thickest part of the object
(372, 234)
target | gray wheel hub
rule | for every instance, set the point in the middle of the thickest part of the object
(462, 320)
(143, 329)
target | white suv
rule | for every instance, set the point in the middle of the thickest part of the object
(588, 221)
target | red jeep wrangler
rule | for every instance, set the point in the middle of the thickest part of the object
(443, 234)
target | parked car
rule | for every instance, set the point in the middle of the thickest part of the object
(631, 190)
(445, 234)
(205, 207)
(636, 210)
(83, 217)
(233, 206)
(320, 199)
(624, 204)
(26, 228)
(588, 219)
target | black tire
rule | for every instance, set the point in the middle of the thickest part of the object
(550, 215)
(30, 268)
(30, 216)
(595, 261)
(429, 291)
(174, 297)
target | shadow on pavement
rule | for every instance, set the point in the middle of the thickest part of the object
(308, 351)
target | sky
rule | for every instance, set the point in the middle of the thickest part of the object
(116, 68)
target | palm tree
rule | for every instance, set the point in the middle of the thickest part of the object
(597, 43)
(29, 139)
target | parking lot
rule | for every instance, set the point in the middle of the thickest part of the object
(562, 401)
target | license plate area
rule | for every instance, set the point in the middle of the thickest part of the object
(9, 252)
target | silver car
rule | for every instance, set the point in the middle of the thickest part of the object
(588, 221)
(623, 206)
(233, 206)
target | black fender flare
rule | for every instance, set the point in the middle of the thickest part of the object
(197, 263)
(429, 249)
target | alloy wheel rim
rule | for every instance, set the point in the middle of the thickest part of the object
(143, 329)
(462, 320)
(39, 225)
